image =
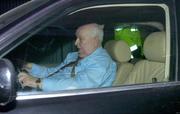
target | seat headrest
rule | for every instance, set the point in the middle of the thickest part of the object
(154, 47)
(119, 50)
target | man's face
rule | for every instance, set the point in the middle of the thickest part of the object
(85, 43)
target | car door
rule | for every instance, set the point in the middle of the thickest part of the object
(66, 16)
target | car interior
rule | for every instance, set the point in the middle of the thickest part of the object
(121, 53)
(144, 64)
(152, 68)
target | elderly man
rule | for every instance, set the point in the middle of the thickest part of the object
(90, 67)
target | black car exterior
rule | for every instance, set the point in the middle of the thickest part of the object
(150, 98)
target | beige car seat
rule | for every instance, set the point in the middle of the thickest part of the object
(121, 54)
(152, 69)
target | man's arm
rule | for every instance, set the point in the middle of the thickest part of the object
(81, 80)
(92, 77)
(42, 72)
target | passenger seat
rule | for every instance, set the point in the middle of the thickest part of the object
(152, 69)
(120, 52)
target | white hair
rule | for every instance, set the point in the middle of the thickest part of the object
(97, 31)
(92, 30)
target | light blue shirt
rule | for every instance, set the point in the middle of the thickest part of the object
(95, 70)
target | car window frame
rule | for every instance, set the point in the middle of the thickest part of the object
(100, 90)
(109, 89)
(17, 12)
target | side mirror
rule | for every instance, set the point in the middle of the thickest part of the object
(7, 82)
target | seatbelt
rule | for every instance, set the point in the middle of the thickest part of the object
(73, 67)
(73, 64)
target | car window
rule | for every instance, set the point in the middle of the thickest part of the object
(130, 24)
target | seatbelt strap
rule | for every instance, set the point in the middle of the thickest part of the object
(73, 64)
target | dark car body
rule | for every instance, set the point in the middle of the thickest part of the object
(149, 98)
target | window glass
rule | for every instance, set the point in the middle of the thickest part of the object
(127, 28)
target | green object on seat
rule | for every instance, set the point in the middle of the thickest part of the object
(130, 34)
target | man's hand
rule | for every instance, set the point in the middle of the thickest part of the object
(27, 80)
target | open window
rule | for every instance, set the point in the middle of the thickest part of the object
(50, 45)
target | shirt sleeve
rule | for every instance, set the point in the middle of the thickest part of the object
(42, 72)
(91, 77)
